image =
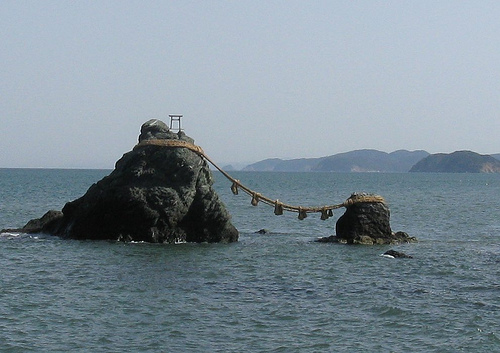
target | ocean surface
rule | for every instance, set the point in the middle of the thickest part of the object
(276, 292)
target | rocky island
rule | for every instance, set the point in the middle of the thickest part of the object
(155, 194)
(458, 162)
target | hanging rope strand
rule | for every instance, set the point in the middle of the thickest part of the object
(326, 211)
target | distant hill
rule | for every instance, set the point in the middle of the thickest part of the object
(370, 161)
(355, 161)
(229, 168)
(496, 156)
(458, 162)
(267, 165)
(280, 165)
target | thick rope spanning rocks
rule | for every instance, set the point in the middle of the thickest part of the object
(279, 207)
(172, 143)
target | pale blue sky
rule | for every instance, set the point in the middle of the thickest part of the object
(254, 79)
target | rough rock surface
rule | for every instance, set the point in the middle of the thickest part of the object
(155, 194)
(38, 224)
(366, 223)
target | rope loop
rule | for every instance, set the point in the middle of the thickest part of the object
(255, 199)
(278, 208)
(302, 214)
(234, 187)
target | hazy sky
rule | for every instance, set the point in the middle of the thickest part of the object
(254, 79)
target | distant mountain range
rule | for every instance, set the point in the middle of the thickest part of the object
(369, 160)
(458, 162)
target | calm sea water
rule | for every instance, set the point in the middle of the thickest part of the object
(279, 292)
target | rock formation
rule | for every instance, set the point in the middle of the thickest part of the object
(155, 194)
(366, 223)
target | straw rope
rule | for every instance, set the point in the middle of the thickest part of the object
(279, 207)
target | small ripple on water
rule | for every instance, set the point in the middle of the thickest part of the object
(390, 311)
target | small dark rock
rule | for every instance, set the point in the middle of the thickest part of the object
(38, 224)
(262, 231)
(397, 254)
(403, 237)
(330, 239)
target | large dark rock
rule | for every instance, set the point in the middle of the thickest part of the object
(366, 222)
(155, 194)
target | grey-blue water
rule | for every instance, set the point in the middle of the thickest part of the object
(279, 292)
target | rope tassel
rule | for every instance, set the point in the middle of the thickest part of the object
(302, 214)
(255, 199)
(324, 214)
(234, 187)
(278, 208)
